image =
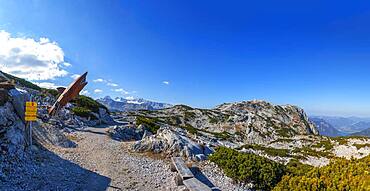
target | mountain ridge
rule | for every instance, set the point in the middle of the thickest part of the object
(131, 104)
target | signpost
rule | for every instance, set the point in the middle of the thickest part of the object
(30, 115)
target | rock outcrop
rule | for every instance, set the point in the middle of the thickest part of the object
(173, 143)
(129, 133)
(249, 122)
(12, 141)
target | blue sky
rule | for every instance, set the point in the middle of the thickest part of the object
(313, 54)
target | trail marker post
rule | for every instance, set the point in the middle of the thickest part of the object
(30, 116)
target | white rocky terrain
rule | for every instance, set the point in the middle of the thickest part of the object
(280, 133)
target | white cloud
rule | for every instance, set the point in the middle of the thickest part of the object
(130, 98)
(99, 80)
(120, 90)
(31, 59)
(66, 64)
(166, 82)
(112, 84)
(75, 76)
(98, 91)
(85, 92)
(48, 85)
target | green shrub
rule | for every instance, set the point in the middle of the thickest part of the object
(88, 103)
(341, 140)
(296, 168)
(52, 92)
(22, 82)
(308, 151)
(243, 167)
(286, 132)
(223, 135)
(190, 129)
(269, 150)
(83, 112)
(340, 174)
(151, 123)
(326, 144)
(359, 146)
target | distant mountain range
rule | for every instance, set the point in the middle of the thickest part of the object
(365, 132)
(343, 125)
(124, 104)
(325, 128)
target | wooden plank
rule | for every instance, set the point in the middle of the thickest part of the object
(183, 170)
(194, 184)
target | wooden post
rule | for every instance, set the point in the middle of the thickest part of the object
(30, 127)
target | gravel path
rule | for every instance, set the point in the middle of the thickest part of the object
(101, 163)
(112, 159)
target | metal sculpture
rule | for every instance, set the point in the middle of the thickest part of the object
(69, 94)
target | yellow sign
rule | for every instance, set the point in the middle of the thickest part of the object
(31, 104)
(30, 118)
(31, 111)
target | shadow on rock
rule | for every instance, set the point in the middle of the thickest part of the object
(203, 178)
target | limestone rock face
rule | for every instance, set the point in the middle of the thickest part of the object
(12, 141)
(105, 117)
(172, 143)
(127, 133)
(247, 122)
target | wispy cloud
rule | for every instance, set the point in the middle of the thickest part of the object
(31, 59)
(112, 84)
(75, 76)
(85, 92)
(120, 90)
(99, 80)
(98, 91)
(48, 85)
(166, 82)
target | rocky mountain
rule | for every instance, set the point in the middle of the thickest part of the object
(243, 122)
(278, 132)
(125, 104)
(325, 128)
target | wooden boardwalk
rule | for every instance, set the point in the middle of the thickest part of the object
(186, 177)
